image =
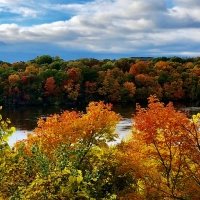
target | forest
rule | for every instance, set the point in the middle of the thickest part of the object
(74, 155)
(48, 80)
(70, 156)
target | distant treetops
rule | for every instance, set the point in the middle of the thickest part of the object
(51, 80)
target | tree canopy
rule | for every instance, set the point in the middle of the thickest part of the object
(126, 80)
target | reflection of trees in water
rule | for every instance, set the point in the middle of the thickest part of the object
(125, 110)
(22, 118)
(25, 118)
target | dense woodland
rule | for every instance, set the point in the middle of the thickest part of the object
(51, 80)
(70, 157)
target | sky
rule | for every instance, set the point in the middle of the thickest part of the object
(100, 29)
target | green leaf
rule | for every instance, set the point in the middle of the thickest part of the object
(5, 138)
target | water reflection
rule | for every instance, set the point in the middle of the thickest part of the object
(25, 118)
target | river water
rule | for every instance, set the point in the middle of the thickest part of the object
(25, 118)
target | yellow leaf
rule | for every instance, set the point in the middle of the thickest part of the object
(94, 179)
(79, 179)
(195, 118)
(5, 138)
(13, 129)
(8, 121)
(72, 179)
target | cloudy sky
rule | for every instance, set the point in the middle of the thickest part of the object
(99, 29)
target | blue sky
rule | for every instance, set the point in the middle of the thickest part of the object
(99, 29)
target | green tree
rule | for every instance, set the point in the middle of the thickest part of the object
(44, 59)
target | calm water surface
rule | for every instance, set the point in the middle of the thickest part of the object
(25, 118)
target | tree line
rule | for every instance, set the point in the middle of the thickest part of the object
(52, 80)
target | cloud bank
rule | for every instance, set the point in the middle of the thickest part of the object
(142, 27)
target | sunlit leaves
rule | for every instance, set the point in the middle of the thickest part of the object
(165, 143)
(68, 157)
(95, 126)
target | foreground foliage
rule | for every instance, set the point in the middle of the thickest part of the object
(68, 156)
(165, 152)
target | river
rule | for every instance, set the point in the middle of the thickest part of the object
(25, 118)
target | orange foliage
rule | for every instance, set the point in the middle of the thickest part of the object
(96, 126)
(75, 74)
(13, 78)
(161, 65)
(163, 152)
(5, 66)
(72, 89)
(130, 87)
(49, 86)
(31, 70)
(157, 116)
(139, 67)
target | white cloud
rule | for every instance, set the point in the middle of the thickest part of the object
(112, 26)
(20, 7)
(24, 11)
(183, 13)
(9, 32)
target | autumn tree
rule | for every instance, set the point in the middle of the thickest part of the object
(174, 90)
(128, 91)
(75, 75)
(13, 79)
(31, 70)
(70, 155)
(19, 66)
(93, 127)
(110, 90)
(139, 67)
(162, 65)
(49, 86)
(110, 84)
(165, 143)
